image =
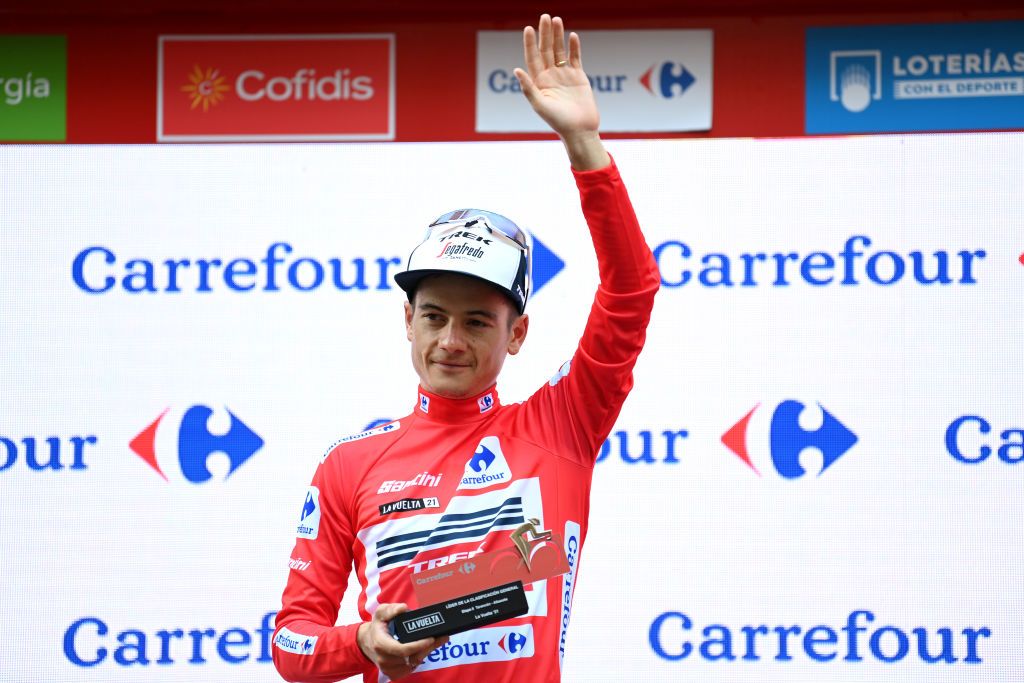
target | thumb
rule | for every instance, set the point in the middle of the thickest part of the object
(526, 85)
(389, 611)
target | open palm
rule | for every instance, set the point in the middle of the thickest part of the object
(554, 81)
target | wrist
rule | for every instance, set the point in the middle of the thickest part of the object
(362, 635)
(586, 151)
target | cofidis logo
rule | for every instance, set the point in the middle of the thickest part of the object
(301, 87)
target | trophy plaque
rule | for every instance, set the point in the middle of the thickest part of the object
(483, 589)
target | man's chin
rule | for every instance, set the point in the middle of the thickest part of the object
(449, 387)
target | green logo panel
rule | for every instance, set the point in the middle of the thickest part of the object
(33, 88)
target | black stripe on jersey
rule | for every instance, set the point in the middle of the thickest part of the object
(452, 517)
(506, 522)
(468, 528)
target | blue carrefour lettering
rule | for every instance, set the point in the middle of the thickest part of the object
(97, 270)
(654, 636)
(652, 450)
(816, 268)
(71, 640)
(42, 458)
(821, 643)
(952, 443)
(1011, 450)
(78, 270)
(684, 253)
(86, 645)
(500, 80)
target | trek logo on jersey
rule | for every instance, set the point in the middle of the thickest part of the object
(421, 479)
(787, 439)
(427, 565)
(408, 504)
(486, 467)
(295, 643)
(486, 402)
(195, 443)
(482, 645)
(309, 518)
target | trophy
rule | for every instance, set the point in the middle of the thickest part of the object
(483, 589)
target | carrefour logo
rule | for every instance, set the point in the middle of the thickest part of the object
(971, 441)
(91, 641)
(665, 79)
(676, 636)
(857, 262)
(482, 645)
(102, 269)
(668, 79)
(788, 439)
(189, 448)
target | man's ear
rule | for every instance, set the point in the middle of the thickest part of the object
(408, 321)
(520, 326)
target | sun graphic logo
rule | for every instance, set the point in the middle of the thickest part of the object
(205, 88)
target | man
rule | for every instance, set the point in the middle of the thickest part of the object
(462, 472)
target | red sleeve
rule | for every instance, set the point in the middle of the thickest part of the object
(590, 392)
(307, 644)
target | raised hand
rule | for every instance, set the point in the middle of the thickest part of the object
(558, 90)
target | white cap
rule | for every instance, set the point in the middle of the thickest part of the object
(476, 243)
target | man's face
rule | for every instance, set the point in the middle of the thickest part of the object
(461, 330)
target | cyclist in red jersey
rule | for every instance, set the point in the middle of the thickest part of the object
(460, 473)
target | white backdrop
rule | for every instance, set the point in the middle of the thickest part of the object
(686, 545)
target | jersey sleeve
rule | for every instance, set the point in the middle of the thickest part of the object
(307, 644)
(580, 404)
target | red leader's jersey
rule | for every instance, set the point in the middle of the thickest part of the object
(455, 477)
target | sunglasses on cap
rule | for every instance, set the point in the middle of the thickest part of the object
(493, 221)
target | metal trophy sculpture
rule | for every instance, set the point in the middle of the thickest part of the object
(481, 590)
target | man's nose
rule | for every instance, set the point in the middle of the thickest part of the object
(452, 339)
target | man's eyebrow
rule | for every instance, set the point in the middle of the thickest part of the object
(482, 312)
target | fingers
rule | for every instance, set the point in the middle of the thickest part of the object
(558, 41)
(389, 610)
(531, 53)
(545, 42)
(575, 51)
(395, 660)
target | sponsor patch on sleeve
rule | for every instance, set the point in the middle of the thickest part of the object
(309, 518)
(383, 429)
(296, 643)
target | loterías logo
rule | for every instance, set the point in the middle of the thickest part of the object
(189, 448)
(789, 435)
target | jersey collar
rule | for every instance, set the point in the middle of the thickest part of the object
(441, 409)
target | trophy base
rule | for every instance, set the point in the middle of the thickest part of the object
(461, 614)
